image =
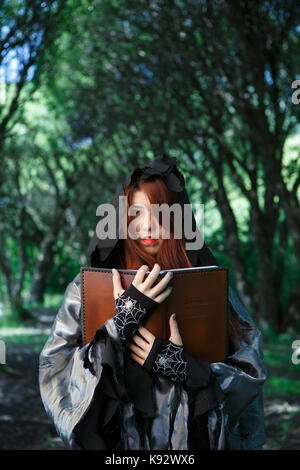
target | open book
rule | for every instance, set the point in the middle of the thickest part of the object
(199, 298)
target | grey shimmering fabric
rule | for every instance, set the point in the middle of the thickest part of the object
(242, 377)
(67, 388)
(172, 416)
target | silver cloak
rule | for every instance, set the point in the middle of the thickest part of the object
(67, 387)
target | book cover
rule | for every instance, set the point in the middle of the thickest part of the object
(199, 298)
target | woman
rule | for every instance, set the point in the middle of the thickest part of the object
(128, 390)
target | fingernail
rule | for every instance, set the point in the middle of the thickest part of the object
(113, 271)
(174, 316)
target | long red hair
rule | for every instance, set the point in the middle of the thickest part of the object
(172, 253)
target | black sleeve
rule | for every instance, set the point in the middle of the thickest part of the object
(204, 394)
(198, 373)
(200, 382)
(132, 308)
(202, 386)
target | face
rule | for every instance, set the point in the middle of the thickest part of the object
(141, 200)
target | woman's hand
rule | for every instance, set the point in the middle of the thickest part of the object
(169, 359)
(141, 346)
(137, 302)
(158, 293)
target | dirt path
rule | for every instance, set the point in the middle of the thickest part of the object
(24, 424)
(282, 421)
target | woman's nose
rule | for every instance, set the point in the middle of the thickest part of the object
(146, 220)
(146, 223)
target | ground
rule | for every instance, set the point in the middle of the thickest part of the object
(25, 425)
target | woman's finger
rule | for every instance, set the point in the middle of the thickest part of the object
(138, 351)
(141, 342)
(161, 297)
(137, 359)
(139, 277)
(151, 277)
(174, 331)
(146, 334)
(156, 290)
(117, 284)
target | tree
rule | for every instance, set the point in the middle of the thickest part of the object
(213, 78)
(28, 29)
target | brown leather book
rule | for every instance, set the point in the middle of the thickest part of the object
(199, 298)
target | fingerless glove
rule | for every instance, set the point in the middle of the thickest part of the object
(167, 358)
(171, 361)
(132, 307)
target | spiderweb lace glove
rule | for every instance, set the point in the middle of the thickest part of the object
(171, 363)
(166, 358)
(132, 307)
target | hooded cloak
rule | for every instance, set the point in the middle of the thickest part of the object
(99, 398)
(99, 250)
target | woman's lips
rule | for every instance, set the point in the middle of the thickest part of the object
(148, 241)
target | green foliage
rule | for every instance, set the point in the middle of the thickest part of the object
(20, 336)
(116, 83)
(282, 386)
(283, 375)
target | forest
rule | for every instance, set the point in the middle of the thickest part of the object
(90, 89)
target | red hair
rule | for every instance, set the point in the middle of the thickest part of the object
(172, 253)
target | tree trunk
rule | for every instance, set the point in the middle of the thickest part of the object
(231, 242)
(268, 294)
(288, 199)
(293, 308)
(43, 267)
(18, 311)
(290, 205)
(14, 286)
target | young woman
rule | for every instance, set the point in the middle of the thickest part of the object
(127, 389)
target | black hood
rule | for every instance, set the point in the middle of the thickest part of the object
(100, 250)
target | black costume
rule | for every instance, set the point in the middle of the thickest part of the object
(100, 398)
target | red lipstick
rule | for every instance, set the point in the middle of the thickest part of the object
(148, 241)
